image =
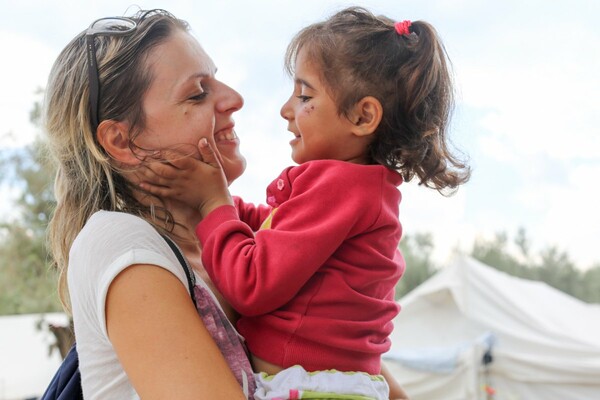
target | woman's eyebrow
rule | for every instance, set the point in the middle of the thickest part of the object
(197, 75)
(191, 80)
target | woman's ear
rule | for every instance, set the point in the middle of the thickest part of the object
(366, 116)
(113, 136)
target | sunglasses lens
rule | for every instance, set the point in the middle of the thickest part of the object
(112, 25)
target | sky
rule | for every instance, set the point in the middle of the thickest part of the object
(528, 99)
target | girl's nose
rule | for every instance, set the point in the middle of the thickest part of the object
(286, 111)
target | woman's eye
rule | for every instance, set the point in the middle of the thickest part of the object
(200, 96)
(303, 98)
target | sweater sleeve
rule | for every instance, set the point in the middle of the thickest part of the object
(259, 272)
(251, 214)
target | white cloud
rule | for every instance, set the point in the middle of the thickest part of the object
(25, 67)
(526, 74)
(533, 82)
(540, 85)
(425, 210)
(569, 213)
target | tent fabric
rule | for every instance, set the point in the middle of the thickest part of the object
(438, 359)
(26, 362)
(546, 344)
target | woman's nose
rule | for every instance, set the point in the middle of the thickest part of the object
(230, 100)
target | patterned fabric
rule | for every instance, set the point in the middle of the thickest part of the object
(228, 340)
(295, 383)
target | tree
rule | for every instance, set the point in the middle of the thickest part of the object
(417, 251)
(27, 285)
(590, 288)
(495, 253)
(558, 271)
(551, 265)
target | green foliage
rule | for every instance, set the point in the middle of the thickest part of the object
(496, 253)
(590, 290)
(27, 285)
(551, 266)
(417, 252)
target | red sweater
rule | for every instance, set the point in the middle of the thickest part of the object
(315, 285)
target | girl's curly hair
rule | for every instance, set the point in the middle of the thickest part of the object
(360, 55)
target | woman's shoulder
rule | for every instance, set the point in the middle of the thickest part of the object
(114, 230)
(103, 218)
(111, 222)
(112, 241)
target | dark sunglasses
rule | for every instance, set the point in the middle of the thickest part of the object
(110, 26)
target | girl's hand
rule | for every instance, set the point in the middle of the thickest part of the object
(200, 184)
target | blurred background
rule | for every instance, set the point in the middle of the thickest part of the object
(528, 99)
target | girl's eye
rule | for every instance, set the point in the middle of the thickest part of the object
(303, 98)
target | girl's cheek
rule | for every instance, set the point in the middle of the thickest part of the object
(307, 109)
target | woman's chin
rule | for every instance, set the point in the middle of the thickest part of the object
(234, 167)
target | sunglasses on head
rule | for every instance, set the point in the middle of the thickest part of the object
(110, 26)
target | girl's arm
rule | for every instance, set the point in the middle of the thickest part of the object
(163, 345)
(260, 271)
(251, 214)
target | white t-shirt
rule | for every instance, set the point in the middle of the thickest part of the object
(109, 243)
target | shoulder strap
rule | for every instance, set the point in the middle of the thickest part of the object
(191, 278)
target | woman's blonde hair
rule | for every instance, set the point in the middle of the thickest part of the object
(87, 180)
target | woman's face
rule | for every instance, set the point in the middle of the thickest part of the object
(185, 102)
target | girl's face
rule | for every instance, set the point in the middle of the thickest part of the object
(320, 132)
(186, 102)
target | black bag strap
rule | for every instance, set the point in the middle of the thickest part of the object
(191, 278)
(66, 384)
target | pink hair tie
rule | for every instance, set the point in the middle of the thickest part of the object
(402, 28)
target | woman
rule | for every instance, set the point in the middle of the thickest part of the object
(120, 95)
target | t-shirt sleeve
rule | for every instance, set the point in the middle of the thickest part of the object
(109, 243)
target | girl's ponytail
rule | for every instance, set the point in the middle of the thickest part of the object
(425, 88)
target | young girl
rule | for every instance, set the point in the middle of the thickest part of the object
(313, 272)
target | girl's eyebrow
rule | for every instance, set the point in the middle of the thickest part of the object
(302, 82)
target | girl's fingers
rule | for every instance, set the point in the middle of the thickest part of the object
(208, 154)
(180, 162)
(171, 157)
(155, 190)
(157, 173)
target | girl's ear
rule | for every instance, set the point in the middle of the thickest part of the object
(366, 116)
(113, 136)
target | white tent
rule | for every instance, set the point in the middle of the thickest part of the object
(26, 365)
(543, 343)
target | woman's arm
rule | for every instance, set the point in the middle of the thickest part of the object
(396, 392)
(160, 340)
